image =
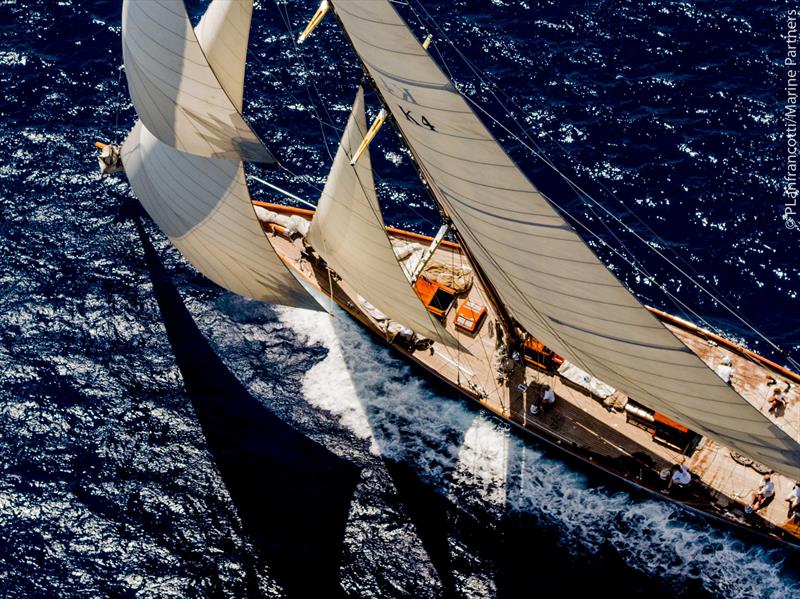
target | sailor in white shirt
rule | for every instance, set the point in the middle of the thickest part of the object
(793, 498)
(548, 399)
(764, 493)
(681, 477)
(725, 369)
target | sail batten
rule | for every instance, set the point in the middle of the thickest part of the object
(349, 233)
(544, 274)
(191, 99)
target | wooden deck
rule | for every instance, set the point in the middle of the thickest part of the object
(578, 422)
(736, 482)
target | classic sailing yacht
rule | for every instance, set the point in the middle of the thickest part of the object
(516, 304)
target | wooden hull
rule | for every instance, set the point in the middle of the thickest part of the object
(578, 424)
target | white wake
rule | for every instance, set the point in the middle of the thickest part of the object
(467, 456)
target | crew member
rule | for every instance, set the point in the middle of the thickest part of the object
(547, 399)
(725, 370)
(764, 494)
(680, 478)
(777, 400)
(793, 499)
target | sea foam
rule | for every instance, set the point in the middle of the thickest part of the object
(466, 454)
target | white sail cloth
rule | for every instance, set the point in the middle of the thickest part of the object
(348, 231)
(177, 95)
(203, 206)
(223, 33)
(543, 272)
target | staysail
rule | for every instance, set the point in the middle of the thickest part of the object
(542, 271)
(178, 96)
(223, 33)
(202, 204)
(348, 231)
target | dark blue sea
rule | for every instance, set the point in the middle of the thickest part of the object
(160, 437)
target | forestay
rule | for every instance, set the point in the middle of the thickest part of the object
(542, 271)
(177, 95)
(348, 231)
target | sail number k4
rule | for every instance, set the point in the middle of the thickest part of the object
(419, 120)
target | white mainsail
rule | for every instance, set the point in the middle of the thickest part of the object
(202, 204)
(542, 271)
(178, 96)
(348, 231)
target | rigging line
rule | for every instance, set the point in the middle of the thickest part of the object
(329, 122)
(631, 258)
(257, 59)
(339, 131)
(646, 275)
(319, 190)
(315, 116)
(544, 320)
(302, 58)
(657, 251)
(487, 79)
(284, 14)
(489, 84)
(720, 301)
(321, 121)
(288, 194)
(547, 324)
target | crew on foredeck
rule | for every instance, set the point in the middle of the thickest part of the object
(725, 370)
(777, 400)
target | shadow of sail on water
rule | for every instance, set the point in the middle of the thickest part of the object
(275, 474)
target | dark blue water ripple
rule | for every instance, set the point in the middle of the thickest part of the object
(120, 476)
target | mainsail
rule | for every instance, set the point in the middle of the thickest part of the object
(348, 231)
(545, 275)
(179, 97)
(203, 204)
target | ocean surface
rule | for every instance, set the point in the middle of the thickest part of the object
(160, 437)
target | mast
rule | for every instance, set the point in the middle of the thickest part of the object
(506, 320)
(541, 273)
